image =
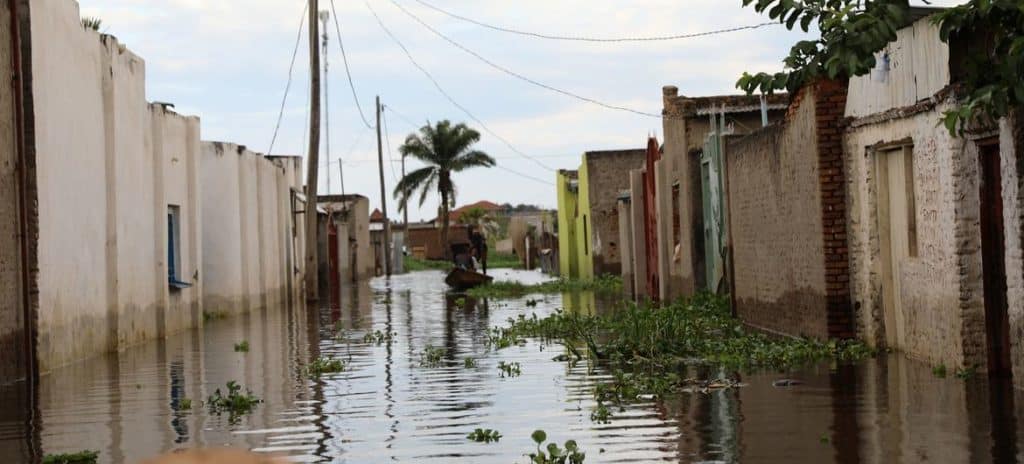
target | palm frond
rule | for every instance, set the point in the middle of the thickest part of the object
(473, 159)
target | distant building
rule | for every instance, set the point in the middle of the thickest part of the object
(588, 221)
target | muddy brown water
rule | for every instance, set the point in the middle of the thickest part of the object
(386, 407)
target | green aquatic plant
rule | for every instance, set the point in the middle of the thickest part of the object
(80, 457)
(601, 414)
(242, 347)
(324, 365)
(509, 369)
(966, 372)
(469, 363)
(484, 436)
(235, 403)
(939, 371)
(432, 356)
(378, 337)
(602, 285)
(571, 454)
(185, 404)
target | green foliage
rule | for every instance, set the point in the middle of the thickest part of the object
(647, 349)
(552, 454)
(484, 436)
(378, 337)
(509, 369)
(242, 347)
(603, 285)
(939, 371)
(413, 264)
(81, 457)
(503, 261)
(432, 356)
(601, 414)
(853, 31)
(966, 372)
(185, 404)
(325, 365)
(92, 23)
(235, 403)
(470, 363)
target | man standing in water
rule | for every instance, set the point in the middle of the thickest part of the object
(479, 248)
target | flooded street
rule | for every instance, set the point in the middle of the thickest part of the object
(386, 406)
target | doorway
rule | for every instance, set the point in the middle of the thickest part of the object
(897, 227)
(993, 257)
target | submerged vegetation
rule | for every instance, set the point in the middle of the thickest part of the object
(324, 365)
(649, 350)
(432, 356)
(571, 454)
(81, 457)
(604, 285)
(484, 436)
(235, 403)
(509, 369)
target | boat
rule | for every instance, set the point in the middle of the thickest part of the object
(461, 279)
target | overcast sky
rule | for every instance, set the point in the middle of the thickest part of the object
(227, 61)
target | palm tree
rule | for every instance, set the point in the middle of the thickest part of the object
(445, 149)
(481, 219)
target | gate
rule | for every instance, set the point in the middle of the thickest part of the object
(713, 202)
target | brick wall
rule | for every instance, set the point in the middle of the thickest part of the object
(430, 239)
(787, 222)
(607, 176)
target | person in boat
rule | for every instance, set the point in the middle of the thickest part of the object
(463, 257)
(479, 243)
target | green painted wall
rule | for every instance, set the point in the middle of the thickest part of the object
(567, 203)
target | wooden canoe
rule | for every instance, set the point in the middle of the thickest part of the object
(461, 279)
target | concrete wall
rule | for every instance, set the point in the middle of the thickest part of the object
(776, 226)
(107, 172)
(12, 323)
(639, 249)
(1011, 143)
(249, 229)
(602, 180)
(355, 252)
(626, 245)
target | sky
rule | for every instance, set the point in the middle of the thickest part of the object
(228, 61)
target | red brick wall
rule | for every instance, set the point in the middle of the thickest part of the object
(430, 239)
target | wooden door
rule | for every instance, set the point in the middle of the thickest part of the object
(993, 251)
(897, 233)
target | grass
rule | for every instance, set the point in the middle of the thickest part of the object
(648, 350)
(414, 264)
(503, 261)
(235, 403)
(81, 457)
(604, 285)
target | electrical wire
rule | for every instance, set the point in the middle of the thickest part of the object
(344, 57)
(288, 84)
(520, 76)
(593, 39)
(445, 93)
(387, 141)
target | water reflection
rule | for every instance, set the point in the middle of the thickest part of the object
(387, 407)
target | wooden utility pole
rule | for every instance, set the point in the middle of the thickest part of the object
(405, 211)
(313, 160)
(383, 197)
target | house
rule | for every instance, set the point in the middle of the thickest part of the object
(588, 216)
(117, 228)
(346, 256)
(934, 220)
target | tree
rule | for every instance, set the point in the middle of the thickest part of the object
(853, 31)
(445, 149)
(480, 218)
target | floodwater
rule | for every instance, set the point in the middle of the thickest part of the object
(387, 407)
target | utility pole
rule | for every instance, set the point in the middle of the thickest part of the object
(405, 211)
(313, 161)
(383, 197)
(325, 16)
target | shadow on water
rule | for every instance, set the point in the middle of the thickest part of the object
(386, 406)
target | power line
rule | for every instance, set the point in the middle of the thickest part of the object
(594, 39)
(520, 76)
(288, 84)
(387, 140)
(445, 93)
(344, 58)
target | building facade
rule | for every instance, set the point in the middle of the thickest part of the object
(588, 215)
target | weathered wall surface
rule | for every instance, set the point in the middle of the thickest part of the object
(12, 323)
(931, 281)
(775, 221)
(247, 238)
(605, 178)
(639, 250)
(626, 237)
(107, 172)
(352, 215)
(1011, 143)
(583, 224)
(568, 261)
